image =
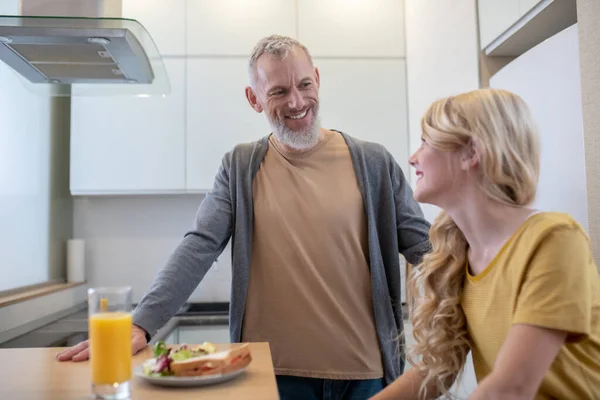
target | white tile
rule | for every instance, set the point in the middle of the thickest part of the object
(232, 27)
(343, 28)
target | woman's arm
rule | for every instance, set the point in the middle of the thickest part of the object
(407, 387)
(522, 363)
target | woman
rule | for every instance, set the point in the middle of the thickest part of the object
(515, 286)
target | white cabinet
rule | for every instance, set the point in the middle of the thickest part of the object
(232, 27)
(203, 333)
(174, 144)
(218, 116)
(129, 144)
(164, 20)
(512, 27)
(526, 5)
(495, 17)
(367, 99)
(342, 28)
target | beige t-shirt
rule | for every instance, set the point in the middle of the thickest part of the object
(309, 292)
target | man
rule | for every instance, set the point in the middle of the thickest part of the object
(317, 219)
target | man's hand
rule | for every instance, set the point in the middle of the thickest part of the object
(81, 352)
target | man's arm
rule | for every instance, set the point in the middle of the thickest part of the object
(192, 258)
(413, 228)
(184, 270)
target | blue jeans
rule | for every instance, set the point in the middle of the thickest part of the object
(297, 388)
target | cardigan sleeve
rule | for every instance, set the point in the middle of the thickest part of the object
(413, 228)
(192, 258)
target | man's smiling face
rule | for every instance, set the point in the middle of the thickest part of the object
(287, 89)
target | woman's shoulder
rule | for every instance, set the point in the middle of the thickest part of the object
(552, 228)
(547, 221)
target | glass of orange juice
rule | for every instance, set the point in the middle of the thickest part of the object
(109, 316)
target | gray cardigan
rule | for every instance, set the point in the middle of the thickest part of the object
(395, 225)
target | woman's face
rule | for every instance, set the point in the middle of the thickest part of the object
(439, 174)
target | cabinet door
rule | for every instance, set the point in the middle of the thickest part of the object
(203, 333)
(218, 116)
(343, 28)
(232, 27)
(164, 21)
(130, 144)
(347, 85)
(526, 5)
(495, 17)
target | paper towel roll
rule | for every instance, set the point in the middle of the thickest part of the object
(75, 260)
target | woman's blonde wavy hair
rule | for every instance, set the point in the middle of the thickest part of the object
(499, 125)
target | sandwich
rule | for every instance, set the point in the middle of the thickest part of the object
(223, 362)
(198, 360)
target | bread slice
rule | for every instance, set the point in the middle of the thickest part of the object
(222, 362)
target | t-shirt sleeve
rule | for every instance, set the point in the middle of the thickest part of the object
(556, 291)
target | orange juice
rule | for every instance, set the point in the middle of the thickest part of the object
(110, 347)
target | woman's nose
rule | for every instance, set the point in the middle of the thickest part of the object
(412, 160)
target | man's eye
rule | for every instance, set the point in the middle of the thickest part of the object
(306, 84)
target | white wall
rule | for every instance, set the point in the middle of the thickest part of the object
(24, 183)
(442, 59)
(548, 78)
(33, 208)
(9, 7)
(129, 239)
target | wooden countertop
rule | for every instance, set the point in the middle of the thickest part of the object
(34, 373)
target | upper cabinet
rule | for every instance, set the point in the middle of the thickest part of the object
(175, 144)
(127, 144)
(218, 116)
(526, 5)
(511, 27)
(342, 28)
(382, 84)
(164, 21)
(232, 27)
(495, 17)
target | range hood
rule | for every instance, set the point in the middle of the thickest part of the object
(80, 48)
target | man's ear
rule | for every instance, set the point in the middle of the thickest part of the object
(318, 77)
(252, 100)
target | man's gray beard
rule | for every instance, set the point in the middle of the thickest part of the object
(298, 140)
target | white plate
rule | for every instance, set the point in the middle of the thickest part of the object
(187, 381)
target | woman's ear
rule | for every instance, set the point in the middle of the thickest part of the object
(471, 155)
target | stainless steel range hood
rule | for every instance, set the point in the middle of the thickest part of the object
(81, 48)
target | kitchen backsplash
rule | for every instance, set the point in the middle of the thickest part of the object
(130, 238)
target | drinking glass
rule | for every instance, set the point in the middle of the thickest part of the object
(109, 316)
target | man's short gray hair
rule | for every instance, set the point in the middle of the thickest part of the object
(277, 46)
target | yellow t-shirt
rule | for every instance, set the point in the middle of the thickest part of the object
(544, 275)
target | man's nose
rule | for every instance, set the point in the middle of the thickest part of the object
(295, 100)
